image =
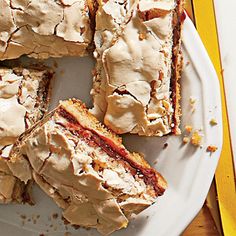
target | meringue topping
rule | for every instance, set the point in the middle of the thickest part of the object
(43, 29)
(139, 71)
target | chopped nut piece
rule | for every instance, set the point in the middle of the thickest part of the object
(212, 148)
(196, 138)
(213, 122)
(188, 128)
(185, 140)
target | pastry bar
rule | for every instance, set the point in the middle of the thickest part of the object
(86, 170)
(24, 98)
(110, 15)
(43, 29)
(142, 69)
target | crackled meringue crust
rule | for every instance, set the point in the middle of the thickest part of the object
(86, 169)
(110, 15)
(24, 98)
(43, 29)
(11, 189)
(137, 90)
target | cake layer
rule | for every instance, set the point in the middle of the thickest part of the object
(43, 29)
(24, 99)
(86, 169)
(141, 69)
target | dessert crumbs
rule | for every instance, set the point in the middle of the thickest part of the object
(187, 63)
(196, 138)
(192, 101)
(212, 148)
(188, 128)
(55, 215)
(165, 145)
(185, 140)
(213, 122)
(23, 217)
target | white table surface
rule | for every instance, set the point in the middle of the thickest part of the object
(226, 23)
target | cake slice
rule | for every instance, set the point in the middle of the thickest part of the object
(142, 68)
(86, 170)
(43, 29)
(110, 15)
(24, 98)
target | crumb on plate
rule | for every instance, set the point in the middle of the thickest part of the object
(188, 128)
(192, 101)
(213, 122)
(212, 148)
(55, 215)
(185, 140)
(196, 138)
(165, 145)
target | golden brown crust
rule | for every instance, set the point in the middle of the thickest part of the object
(177, 64)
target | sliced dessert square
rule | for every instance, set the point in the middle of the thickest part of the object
(24, 99)
(110, 15)
(142, 68)
(86, 170)
(43, 29)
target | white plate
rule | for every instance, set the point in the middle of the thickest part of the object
(188, 170)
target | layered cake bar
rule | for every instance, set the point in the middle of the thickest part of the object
(43, 29)
(86, 170)
(24, 99)
(142, 68)
(110, 15)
